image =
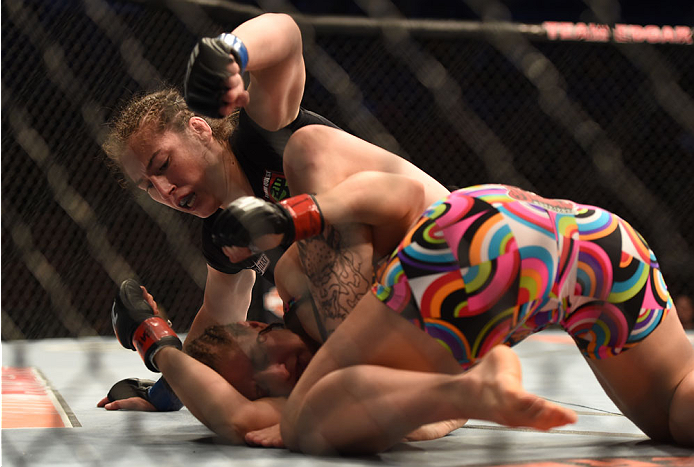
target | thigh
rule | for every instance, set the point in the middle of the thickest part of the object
(642, 380)
(377, 335)
(374, 334)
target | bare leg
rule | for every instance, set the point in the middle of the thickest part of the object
(653, 382)
(365, 408)
(379, 377)
(372, 334)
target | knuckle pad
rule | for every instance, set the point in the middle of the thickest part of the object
(205, 76)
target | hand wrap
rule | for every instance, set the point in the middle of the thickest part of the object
(137, 327)
(307, 218)
(207, 71)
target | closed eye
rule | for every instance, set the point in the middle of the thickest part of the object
(164, 166)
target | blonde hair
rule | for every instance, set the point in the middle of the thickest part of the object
(208, 346)
(160, 111)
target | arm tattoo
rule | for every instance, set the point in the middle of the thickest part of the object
(338, 276)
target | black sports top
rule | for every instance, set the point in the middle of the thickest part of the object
(259, 153)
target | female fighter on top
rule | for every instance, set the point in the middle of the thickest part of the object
(197, 165)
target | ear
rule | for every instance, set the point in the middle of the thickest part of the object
(200, 128)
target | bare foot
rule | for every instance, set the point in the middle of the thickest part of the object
(435, 430)
(269, 437)
(502, 398)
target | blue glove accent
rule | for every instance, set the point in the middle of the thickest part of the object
(237, 49)
(162, 397)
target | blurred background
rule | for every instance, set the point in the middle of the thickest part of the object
(471, 91)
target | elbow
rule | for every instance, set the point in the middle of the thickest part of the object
(303, 146)
(291, 33)
(285, 23)
(283, 27)
(225, 424)
(233, 428)
(230, 433)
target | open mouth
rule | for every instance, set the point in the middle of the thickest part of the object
(187, 201)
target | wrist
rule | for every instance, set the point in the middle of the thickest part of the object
(151, 336)
(160, 394)
(236, 48)
(163, 355)
(306, 216)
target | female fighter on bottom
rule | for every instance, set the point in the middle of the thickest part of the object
(488, 265)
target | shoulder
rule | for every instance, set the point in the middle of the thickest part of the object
(312, 141)
(249, 135)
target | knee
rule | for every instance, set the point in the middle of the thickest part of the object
(300, 435)
(681, 414)
(328, 421)
(288, 432)
(298, 424)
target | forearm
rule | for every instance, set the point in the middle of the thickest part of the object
(373, 198)
(226, 300)
(202, 321)
(212, 400)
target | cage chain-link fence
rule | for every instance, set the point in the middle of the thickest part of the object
(604, 123)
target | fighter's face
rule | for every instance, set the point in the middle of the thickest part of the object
(270, 364)
(176, 169)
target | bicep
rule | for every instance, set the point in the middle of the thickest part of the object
(318, 157)
(374, 198)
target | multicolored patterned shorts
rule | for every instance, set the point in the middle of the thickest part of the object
(492, 264)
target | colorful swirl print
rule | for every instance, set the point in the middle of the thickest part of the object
(600, 329)
(492, 264)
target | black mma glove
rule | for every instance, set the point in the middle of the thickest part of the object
(206, 72)
(159, 394)
(131, 387)
(137, 327)
(249, 218)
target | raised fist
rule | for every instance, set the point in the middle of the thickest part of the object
(136, 325)
(208, 74)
